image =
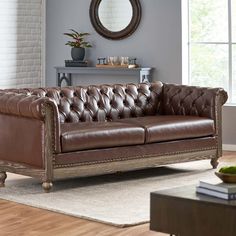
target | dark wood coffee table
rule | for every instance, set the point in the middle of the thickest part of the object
(181, 211)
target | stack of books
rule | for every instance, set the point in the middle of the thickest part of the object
(72, 63)
(217, 188)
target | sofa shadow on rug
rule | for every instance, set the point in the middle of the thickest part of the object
(160, 172)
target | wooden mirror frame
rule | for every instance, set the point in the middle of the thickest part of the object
(126, 32)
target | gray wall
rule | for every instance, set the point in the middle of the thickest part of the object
(229, 127)
(153, 45)
(156, 43)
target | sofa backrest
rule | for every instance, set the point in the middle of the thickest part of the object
(104, 102)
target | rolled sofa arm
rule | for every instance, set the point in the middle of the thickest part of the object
(192, 100)
(34, 107)
(196, 101)
(23, 105)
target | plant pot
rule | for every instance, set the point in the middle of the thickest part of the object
(78, 54)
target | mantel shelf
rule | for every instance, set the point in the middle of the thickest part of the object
(65, 73)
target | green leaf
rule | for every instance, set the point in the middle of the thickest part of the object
(79, 39)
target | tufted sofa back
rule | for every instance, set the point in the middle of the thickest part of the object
(191, 100)
(102, 102)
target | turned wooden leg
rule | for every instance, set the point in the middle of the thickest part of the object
(3, 177)
(214, 162)
(47, 186)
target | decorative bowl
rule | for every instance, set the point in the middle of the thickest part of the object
(226, 178)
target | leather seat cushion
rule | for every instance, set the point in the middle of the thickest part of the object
(93, 135)
(173, 127)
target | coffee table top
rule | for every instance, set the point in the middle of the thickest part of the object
(174, 209)
(189, 193)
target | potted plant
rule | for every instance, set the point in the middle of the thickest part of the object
(77, 44)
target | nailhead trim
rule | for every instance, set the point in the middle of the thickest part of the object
(131, 158)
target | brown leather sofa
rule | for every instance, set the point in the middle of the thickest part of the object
(52, 133)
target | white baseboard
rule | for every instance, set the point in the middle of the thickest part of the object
(229, 147)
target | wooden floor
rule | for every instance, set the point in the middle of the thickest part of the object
(20, 220)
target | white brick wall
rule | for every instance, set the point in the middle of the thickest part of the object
(115, 15)
(20, 43)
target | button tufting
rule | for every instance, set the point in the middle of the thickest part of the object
(86, 105)
(100, 105)
(127, 102)
(113, 104)
(137, 102)
(102, 91)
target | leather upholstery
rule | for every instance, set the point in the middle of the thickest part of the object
(136, 151)
(100, 106)
(91, 135)
(22, 105)
(102, 103)
(166, 128)
(22, 140)
(191, 100)
(112, 102)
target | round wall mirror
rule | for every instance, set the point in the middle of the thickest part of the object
(115, 19)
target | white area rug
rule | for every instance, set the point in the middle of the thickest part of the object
(119, 199)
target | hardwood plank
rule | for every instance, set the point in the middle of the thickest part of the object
(20, 220)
